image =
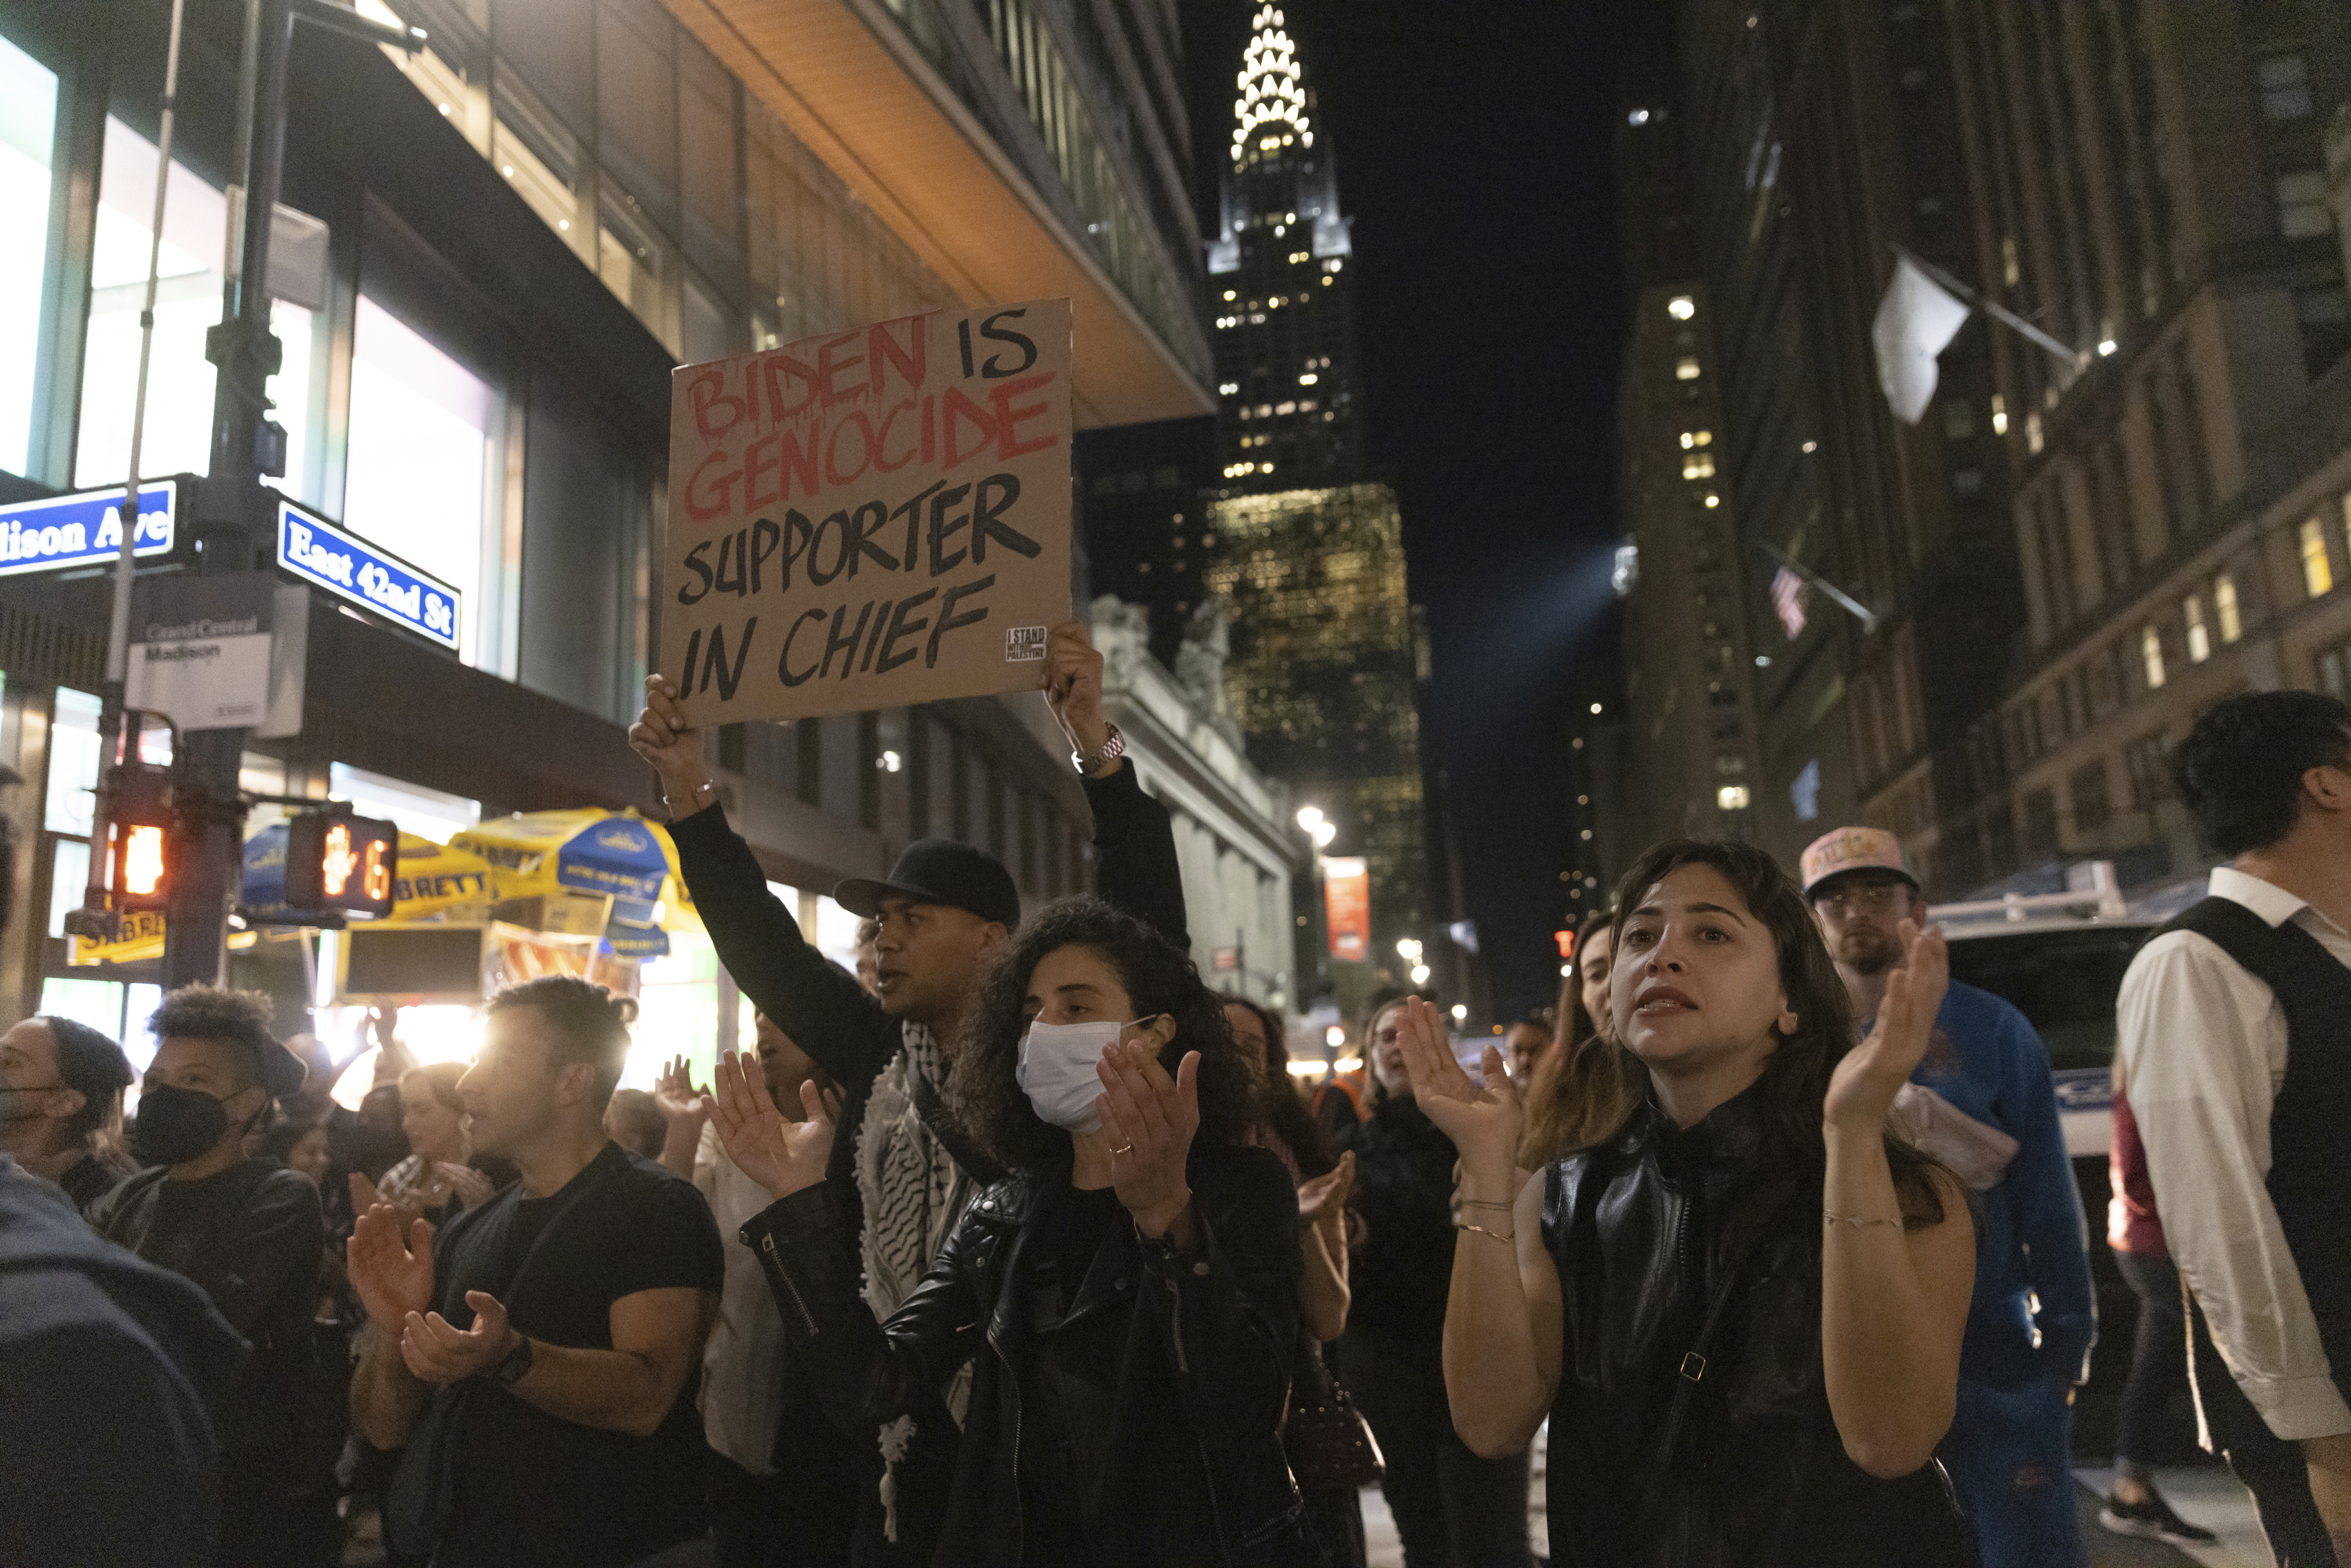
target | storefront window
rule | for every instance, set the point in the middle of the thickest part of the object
(28, 112)
(178, 435)
(427, 813)
(419, 456)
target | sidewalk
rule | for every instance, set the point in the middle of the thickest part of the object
(2203, 1494)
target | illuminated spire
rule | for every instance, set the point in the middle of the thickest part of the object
(1272, 89)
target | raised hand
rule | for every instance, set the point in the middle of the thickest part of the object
(1862, 1088)
(677, 1098)
(1149, 1119)
(1073, 681)
(782, 1156)
(1325, 1196)
(1482, 1122)
(389, 1259)
(663, 737)
(439, 1352)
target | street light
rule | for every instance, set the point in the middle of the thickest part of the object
(1460, 1012)
(1420, 973)
(1408, 948)
(1317, 826)
(1310, 817)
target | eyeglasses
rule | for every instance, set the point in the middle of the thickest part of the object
(1876, 897)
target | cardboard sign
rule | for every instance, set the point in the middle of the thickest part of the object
(1347, 906)
(871, 517)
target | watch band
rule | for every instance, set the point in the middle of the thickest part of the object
(1115, 747)
(516, 1367)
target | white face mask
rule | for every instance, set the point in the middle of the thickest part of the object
(1056, 1070)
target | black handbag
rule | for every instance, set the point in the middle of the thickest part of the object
(1329, 1444)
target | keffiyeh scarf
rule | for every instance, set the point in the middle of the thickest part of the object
(912, 1193)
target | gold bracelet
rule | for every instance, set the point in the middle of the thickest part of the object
(1487, 1203)
(1481, 1230)
(1857, 1223)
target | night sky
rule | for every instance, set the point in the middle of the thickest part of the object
(1472, 143)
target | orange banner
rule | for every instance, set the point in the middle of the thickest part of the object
(1347, 906)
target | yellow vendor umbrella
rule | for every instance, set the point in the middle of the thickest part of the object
(439, 884)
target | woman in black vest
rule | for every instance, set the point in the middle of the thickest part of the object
(1125, 1301)
(1741, 1307)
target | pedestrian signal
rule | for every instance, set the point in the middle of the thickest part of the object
(1566, 940)
(337, 861)
(141, 822)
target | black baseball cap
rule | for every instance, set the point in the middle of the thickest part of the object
(939, 871)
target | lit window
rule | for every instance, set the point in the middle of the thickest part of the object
(2317, 575)
(1998, 415)
(1228, 389)
(2150, 651)
(2032, 433)
(2302, 203)
(1731, 797)
(2224, 607)
(419, 452)
(1229, 295)
(177, 435)
(1326, 283)
(1712, 500)
(2285, 82)
(1685, 369)
(1307, 380)
(1681, 308)
(30, 90)
(1699, 466)
(2199, 641)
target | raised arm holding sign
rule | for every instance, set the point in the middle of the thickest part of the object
(869, 518)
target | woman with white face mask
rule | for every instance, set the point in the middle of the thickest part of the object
(1125, 1299)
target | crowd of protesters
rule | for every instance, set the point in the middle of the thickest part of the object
(1017, 1245)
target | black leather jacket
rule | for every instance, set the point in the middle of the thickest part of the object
(1183, 1372)
(1692, 1426)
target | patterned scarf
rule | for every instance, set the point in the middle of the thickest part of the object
(912, 1193)
(910, 1188)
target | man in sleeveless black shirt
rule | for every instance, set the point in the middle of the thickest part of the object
(2235, 1050)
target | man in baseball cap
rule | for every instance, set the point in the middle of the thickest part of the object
(1984, 1102)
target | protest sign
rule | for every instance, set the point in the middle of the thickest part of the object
(871, 517)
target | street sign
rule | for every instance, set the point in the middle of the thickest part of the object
(200, 650)
(84, 529)
(869, 518)
(321, 554)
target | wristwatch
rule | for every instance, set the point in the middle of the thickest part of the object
(516, 1367)
(1114, 747)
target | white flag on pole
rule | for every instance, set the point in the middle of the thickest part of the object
(1915, 320)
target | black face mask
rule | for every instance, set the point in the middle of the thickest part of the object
(176, 1124)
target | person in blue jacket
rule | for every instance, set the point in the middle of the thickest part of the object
(1982, 1104)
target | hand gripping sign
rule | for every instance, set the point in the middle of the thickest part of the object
(869, 518)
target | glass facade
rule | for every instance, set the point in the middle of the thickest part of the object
(28, 112)
(706, 217)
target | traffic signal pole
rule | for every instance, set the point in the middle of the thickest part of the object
(235, 514)
(229, 505)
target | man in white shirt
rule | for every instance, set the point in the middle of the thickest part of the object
(2235, 1050)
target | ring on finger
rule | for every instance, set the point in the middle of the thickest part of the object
(1124, 1149)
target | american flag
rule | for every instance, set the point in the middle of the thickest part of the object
(1788, 600)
